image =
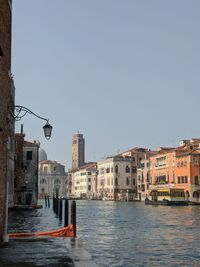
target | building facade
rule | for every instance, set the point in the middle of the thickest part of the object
(78, 151)
(116, 179)
(84, 181)
(30, 165)
(19, 168)
(26, 171)
(177, 168)
(6, 121)
(52, 179)
(143, 179)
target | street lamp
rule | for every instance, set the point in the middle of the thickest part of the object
(18, 112)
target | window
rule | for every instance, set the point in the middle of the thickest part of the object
(173, 178)
(116, 169)
(147, 177)
(116, 181)
(134, 181)
(89, 187)
(196, 180)
(89, 180)
(29, 155)
(179, 179)
(133, 158)
(183, 179)
(1, 52)
(181, 163)
(43, 181)
(127, 181)
(45, 169)
(134, 169)
(143, 187)
(127, 170)
(57, 181)
(186, 179)
(108, 170)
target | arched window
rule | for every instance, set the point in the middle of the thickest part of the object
(116, 169)
(127, 181)
(142, 177)
(127, 170)
(43, 181)
(147, 177)
(116, 181)
(187, 195)
(57, 181)
(196, 194)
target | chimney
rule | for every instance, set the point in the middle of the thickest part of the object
(21, 128)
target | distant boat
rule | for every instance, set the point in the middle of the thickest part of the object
(167, 196)
(166, 202)
(105, 198)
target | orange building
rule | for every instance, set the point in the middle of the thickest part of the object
(178, 168)
(188, 173)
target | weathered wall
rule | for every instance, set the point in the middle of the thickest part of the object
(5, 100)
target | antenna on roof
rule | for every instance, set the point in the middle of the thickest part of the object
(21, 128)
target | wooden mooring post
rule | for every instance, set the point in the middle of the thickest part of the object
(53, 203)
(60, 208)
(45, 197)
(48, 201)
(73, 215)
(66, 218)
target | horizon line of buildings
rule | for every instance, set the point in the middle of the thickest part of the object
(130, 175)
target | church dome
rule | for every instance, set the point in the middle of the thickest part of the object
(42, 155)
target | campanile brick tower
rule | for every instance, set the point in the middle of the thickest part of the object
(78, 151)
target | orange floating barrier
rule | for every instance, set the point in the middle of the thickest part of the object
(67, 231)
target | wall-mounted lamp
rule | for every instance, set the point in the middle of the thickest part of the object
(18, 112)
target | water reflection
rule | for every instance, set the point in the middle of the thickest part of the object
(132, 234)
(127, 234)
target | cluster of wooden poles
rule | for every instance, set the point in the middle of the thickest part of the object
(58, 209)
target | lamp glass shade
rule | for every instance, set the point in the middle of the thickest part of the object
(47, 130)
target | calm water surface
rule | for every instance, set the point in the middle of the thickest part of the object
(127, 234)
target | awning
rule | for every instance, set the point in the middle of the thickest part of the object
(163, 189)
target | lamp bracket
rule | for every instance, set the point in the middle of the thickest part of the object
(18, 112)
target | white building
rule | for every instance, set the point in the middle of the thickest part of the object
(52, 179)
(84, 181)
(143, 179)
(116, 178)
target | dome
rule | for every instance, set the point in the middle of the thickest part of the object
(42, 155)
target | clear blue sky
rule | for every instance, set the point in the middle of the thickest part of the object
(124, 73)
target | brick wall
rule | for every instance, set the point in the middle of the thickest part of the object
(5, 101)
(19, 167)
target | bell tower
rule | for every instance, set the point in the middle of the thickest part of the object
(78, 150)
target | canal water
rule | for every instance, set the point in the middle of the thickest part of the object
(127, 234)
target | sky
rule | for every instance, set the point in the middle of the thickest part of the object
(124, 73)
